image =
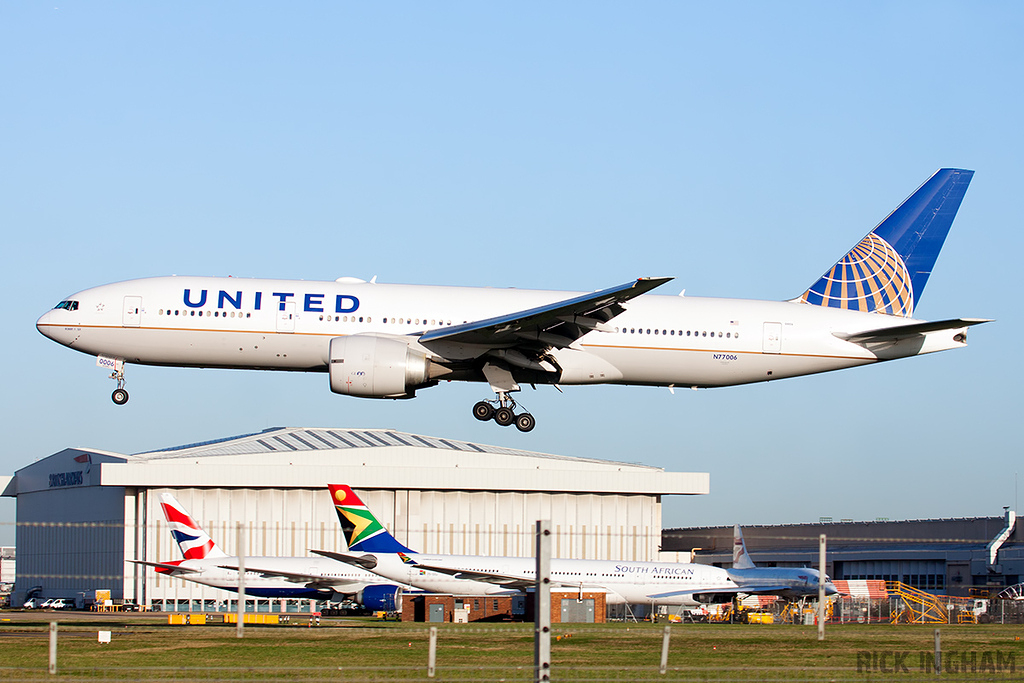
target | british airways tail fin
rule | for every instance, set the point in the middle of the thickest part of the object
(195, 543)
(887, 271)
(363, 532)
(740, 558)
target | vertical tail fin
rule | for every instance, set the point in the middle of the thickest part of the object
(363, 532)
(887, 271)
(740, 558)
(195, 544)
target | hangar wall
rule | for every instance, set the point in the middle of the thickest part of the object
(292, 522)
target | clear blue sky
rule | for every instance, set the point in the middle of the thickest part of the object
(740, 147)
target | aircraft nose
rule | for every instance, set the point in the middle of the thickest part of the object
(56, 328)
(45, 325)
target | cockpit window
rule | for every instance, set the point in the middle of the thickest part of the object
(67, 305)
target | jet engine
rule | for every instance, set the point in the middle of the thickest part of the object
(713, 598)
(380, 597)
(376, 367)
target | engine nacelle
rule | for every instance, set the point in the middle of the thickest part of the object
(381, 597)
(713, 598)
(376, 367)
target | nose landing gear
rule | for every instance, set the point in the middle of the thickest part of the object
(120, 395)
(502, 411)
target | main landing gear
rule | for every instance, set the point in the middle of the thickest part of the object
(502, 411)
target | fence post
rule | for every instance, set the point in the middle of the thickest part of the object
(938, 652)
(664, 649)
(53, 648)
(542, 609)
(240, 630)
(821, 587)
(432, 652)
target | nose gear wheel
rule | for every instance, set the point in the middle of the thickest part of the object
(120, 395)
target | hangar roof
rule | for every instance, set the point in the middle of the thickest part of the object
(296, 457)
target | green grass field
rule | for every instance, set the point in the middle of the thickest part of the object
(144, 647)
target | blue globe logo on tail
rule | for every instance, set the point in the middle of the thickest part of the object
(871, 278)
(886, 271)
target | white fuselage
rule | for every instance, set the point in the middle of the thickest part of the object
(325, 576)
(622, 582)
(288, 324)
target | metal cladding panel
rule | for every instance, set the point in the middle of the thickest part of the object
(413, 478)
(290, 522)
(71, 540)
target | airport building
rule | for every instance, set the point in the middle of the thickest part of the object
(959, 557)
(84, 514)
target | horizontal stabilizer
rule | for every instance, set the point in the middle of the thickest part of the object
(166, 566)
(364, 561)
(898, 332)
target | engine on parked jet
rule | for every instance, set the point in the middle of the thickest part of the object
(713, 598)
(380, 597)
(372, 366)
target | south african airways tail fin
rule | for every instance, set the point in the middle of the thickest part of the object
(363, 531)
(886, 271)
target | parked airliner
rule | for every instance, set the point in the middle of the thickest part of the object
(789, 583)
(623, 582)
(388, 340)
(315, 578)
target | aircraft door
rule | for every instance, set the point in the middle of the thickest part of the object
(772, 342)
(132, 312)
(286, 318)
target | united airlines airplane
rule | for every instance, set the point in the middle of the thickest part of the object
(314, 578)
(622, 582)
(388, 341)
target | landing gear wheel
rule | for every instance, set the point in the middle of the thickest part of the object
(504, 416)
(525, 422)
(120, 397)
(483, 411)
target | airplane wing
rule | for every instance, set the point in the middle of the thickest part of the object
(173, 568)
(759, 590)
(513, 583)
(899, 332)
(558, 324)
(310, 580)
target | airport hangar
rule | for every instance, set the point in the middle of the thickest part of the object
(83, 513)
(959, 556)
